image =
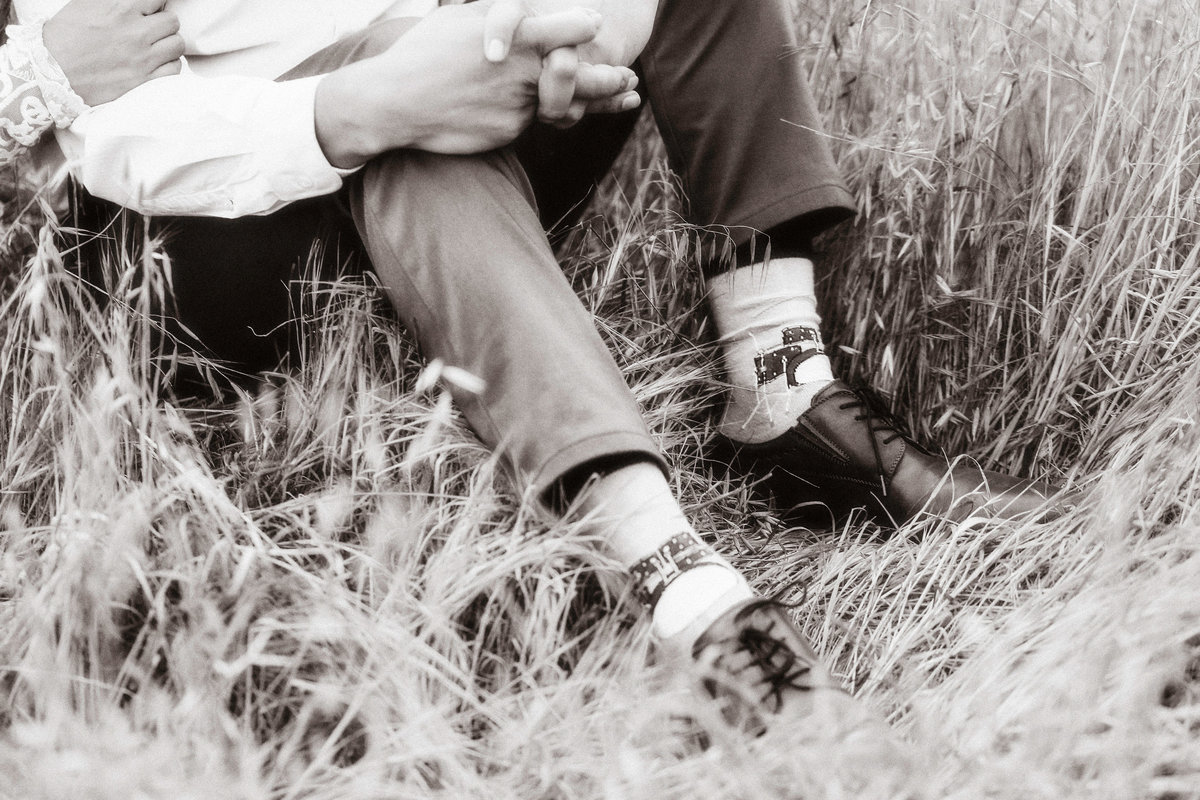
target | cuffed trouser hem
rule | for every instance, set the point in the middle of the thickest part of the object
(832, 201)
(592, 449)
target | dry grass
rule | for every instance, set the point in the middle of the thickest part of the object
(329, 589)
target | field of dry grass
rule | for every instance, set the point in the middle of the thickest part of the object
(329, 590)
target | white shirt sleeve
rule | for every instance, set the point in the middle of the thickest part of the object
(188, 145)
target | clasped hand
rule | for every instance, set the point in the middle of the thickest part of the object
(577, 79)
(445, 86)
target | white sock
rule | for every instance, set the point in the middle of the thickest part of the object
(684, 581)
(770, 336)
(694, 600)
(686, 585)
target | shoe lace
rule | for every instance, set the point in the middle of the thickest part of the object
(879, 420)
(779, 667)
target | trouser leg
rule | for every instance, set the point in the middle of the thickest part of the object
(233, 282)
(729, 93)
(564, 166)
(459, 248)
(460, 251)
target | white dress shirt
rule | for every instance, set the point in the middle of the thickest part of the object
(223, 138)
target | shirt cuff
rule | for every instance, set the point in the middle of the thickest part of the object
(26, 47)
(299, 158)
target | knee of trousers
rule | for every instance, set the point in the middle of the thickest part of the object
(450, 184)
(377, 38)
(368, 42)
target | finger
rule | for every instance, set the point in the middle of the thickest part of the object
(170, 68)
(618, 104)
(167, 50)
(556, 86)
(572, 116)
(149, 6)
(598, 81)
(499, 27)
(563, 29)
(161, 25)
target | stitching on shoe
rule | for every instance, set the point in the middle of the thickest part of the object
(804, 426)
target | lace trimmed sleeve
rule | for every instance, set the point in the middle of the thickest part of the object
(34, 93)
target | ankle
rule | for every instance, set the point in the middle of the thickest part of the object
(683, 582)
(685, 585)
(633, 510)
(755, 416)
(770, 339)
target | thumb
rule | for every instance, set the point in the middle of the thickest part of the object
(499, 26)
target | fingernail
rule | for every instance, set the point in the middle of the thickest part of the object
(596, 16)
(494, 50)
(631, 82)
(631, 101)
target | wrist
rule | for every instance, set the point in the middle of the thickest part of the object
(345, 137)
(358, 115)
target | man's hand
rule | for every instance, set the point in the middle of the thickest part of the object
(107, 47)
(434, 90)
(625, 29)
(569, 88)
(623, 34)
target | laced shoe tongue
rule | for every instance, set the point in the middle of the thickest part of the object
(757, 653)
(779, 668)
(871, 409)
(880, 431)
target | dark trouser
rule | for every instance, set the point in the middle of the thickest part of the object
(462, 254)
